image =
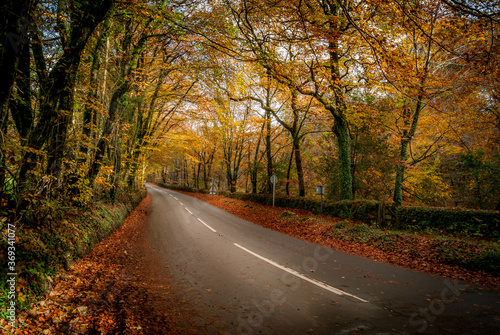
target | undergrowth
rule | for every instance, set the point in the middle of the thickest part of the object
(468, 253)
(42, 251)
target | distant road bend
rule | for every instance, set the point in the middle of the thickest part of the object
(259, 281)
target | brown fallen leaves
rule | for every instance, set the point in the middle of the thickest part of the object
(119, 288)
(411, 254)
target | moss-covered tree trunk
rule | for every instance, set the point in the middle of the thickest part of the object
(338, 108)
(341, 131)
(255, 162)
(269, 154)
(298, 165)
(400, 171)
(116, 102)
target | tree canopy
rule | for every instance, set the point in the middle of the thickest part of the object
(395, 101)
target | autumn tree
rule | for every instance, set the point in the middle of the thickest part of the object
(315, 31)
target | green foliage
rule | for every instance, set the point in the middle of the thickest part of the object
(475, 179)
(470, 222)
(180, 188)
(363, 233)
(465, 254)
(288, 214)
(470, 254)
(489, 260)
(66, 234)
(485, 176)
(362, 210)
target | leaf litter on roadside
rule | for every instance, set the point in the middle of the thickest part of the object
(118, 288)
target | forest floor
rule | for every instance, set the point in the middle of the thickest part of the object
(119, 288)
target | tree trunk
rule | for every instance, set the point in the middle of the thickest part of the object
(20, 107)
(205, 180)
(255, 167)
(289, 171)
(411, 121)
(298, 165)
(90, 113)
(14, 28)
(114, 105)
(341, 131)
(57, 104)
(400, 171)
(269, 155)
(115, 188)
(198, 175)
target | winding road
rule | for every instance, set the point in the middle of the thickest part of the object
(259, 281)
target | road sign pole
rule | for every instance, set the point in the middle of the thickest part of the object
(274, 192)
(274, 180)
(321, 207)
(320, 190)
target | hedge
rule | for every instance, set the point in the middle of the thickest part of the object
(363, 210)
(180, 187)
(472, 222)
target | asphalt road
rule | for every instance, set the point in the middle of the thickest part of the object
(263, 282)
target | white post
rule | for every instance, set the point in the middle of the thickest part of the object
(274, 180)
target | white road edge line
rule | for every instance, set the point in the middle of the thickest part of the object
(176, 198)
(181, 203)
(207, 226)
(297, 274)
(188, 211)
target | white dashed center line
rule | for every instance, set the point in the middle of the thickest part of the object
(301, 276)
(207, 225)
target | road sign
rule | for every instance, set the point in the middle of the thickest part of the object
(320, 190)
(213, 190)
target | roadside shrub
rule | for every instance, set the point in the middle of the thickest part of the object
(359, 232)
(66, 235)
(489, 260)
(181, 188)
(467, 255)
(470, 222)
(340, 225)
(363, 210)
